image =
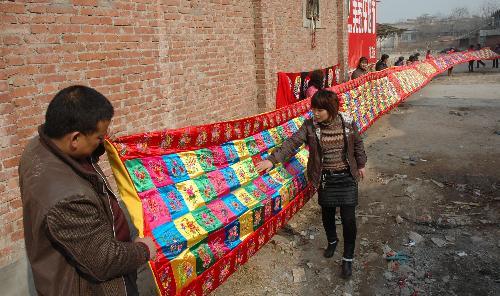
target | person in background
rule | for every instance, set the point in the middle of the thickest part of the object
(316, 82)
(416, 57)
(411, 59)
(336, 163)
(400, 61)
(471, 62)
(362, 68)
(382, 63)
(77, 237)
(450, 70)
(428, 55)
(497, 51)
(479, 47)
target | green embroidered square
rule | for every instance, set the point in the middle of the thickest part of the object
(206, 219)
(206, 188)
(258, 216)
(283, 172)
(204, 257)
(281, 133)
(140, 176)
(206, 160)
(255, 192)
(252, 146)
(249, 168)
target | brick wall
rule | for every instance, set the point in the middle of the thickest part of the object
(163, 64)
(286, 43)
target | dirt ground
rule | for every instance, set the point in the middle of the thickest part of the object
(432, 193)
(434, 169)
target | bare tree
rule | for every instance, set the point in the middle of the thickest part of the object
(488, 7)
(460, 13)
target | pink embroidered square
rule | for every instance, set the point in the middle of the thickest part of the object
(154, 210)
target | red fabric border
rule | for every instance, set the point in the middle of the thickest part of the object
(239, 255)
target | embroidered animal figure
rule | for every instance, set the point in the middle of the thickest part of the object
(165, 279)
(208, 284)
(233, 233)
(142, 146)
(176, 246)
(153, 208)
(174, 202)
(190, 193)
(225, 271)
(236, 205)
(140, 175)
(157, 169)
(257, 218)
(218, 248)
(209, 220)
(215, 134)
(206, 160)
(177, 169)
(166, 141)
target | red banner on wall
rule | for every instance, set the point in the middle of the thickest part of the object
(361, 26)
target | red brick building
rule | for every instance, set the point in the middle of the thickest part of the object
(163, 64)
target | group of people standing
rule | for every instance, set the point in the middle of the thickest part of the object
(478, 62)
(381, 64)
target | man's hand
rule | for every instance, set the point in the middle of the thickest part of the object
(361, 173)
(151, 246)
(264, 165)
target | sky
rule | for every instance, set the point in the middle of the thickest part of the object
(390, 11)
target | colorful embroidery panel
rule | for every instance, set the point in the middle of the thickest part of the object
(376, 93)
(205, 205)
(197, 193)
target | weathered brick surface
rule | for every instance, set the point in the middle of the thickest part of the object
(163, 64)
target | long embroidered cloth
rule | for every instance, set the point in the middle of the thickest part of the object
(196, 192)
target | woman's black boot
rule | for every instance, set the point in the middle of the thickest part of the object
(330, 249)
(346, 268)
(347, 260)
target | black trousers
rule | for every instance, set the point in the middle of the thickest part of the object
(480, 62)
(471, 66)
(348, 216)
(495, 63)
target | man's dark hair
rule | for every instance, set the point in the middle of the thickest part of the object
(76, 108)
(327, 100)
(362, 59)
(384, 57)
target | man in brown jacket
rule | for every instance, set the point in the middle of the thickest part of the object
(77, 238)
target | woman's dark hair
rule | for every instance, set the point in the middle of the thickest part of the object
(76, 108)
(384, 57)
(327, 100)
(401, 58)
(362, 59)
(317, 79)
